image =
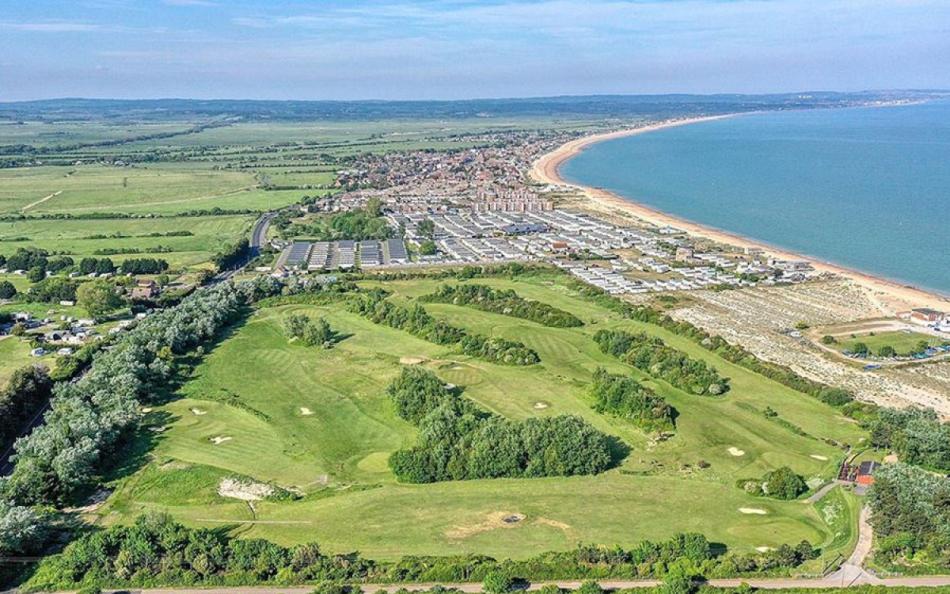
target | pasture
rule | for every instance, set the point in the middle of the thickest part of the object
(79, 238)
(318, 422)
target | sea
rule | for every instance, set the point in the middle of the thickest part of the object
(867, 188)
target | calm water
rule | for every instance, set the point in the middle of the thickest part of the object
(868, 188)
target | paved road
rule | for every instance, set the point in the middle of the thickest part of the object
(474, 588)
(258, 237)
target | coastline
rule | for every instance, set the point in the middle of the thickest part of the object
(890, 295)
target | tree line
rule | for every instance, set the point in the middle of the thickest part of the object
(651, 355)
(505, 302)
(27, 389)
(374, 306)
(458, 440)
(624, 397)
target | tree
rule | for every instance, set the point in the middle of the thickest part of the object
(98, 297)
(22, 530)
(828, 339)
(426, 228)
(497, 582)
(860, 348)
(427, 248)
(36, 274)
(7, 290)
(374, 207)
(783, 483)
(886, 351)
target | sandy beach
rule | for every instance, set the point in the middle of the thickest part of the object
(891, 295)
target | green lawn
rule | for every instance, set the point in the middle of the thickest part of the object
(903, 342)
(78, 238)
(318, 421)
(14, 354)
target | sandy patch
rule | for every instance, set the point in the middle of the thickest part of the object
(218, 440)
(553, 524)
(890, 459)
(411, 360)
(819, 457)
(541, 405)
(305, 412)
(492, 521)
(147, 410)
(198, 412)
(752, 510)
(244, 490)
(764, 549)
(734, 451)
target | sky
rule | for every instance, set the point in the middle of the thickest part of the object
(453, 49)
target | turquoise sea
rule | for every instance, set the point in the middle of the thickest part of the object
(867, 188)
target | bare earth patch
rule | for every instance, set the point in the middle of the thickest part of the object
(553, 524)
(244, 490)
(752, 510)
(492, 521)
(411, 360)
(218, 440)
(734, 451)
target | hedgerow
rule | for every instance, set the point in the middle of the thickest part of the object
(505, 302)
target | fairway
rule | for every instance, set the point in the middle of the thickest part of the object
(318, 422)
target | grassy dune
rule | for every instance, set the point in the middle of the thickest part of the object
(319, 422)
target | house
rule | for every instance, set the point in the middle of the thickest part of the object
(865, 474)
(145, 290)
(926, 315)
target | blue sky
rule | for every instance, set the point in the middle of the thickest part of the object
(401, 49)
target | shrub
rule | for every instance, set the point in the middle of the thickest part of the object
(497, 582)
(503, 302)
(626, 398)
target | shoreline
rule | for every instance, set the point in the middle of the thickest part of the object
(889, 294)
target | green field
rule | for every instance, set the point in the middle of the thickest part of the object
(14, 354)
(319, 422)
(903, 342)
(80, 238)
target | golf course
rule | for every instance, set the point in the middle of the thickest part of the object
(271, 438)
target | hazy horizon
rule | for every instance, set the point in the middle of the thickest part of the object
(460, 49)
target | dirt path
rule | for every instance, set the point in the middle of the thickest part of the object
(40, 201)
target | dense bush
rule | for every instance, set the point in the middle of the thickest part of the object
(88, 417)
(625, 397)
(7, 290)
(781, 483)
(417, 321)
(53, 290)
(96, 265)
(27, 258)
(144, 266)
(232, 255)
(459, 441)
(21, 399)
(504, 302)
(651, 355)
(910, 512)
(915, 434)
(309, 332)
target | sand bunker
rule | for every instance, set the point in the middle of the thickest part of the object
(734, 451)
(198, 412)
(493, 521)
(147, 409)
(764, 549)
(411, 360)
(752, 510)
(244, 490)
(819, 457)
(306, 412)
(541, 405)
(220, 439)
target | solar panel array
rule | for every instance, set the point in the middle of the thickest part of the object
(370, 254)
(298, 253)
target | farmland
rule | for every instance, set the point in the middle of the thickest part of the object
(318, 422)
